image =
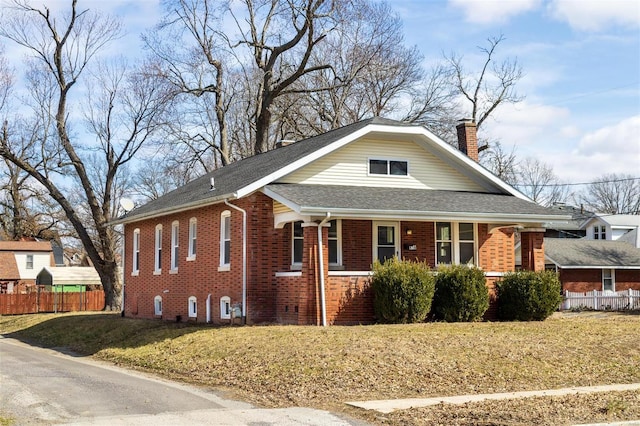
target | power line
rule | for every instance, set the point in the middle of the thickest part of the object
(580, 183)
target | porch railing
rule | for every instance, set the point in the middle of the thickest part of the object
(602, 300)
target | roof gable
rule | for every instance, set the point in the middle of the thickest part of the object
(253, 173)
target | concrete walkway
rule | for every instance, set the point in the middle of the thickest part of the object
(388, 406)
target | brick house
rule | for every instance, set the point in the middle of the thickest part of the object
(246, 235)
(585, 265)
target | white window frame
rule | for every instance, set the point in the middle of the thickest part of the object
(388, 160)
(294, 264)
(225, 266)
(157, 305)
(193, 235)
(157, 268)
(29, 261)
(611, 276)
(338, 240)
(175, 245)
(193, 307)
(396, 237)
(455, 242)
(225, 307)
(135, 261)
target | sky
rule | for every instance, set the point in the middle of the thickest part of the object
(581, 63)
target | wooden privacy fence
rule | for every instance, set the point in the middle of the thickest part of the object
(602, 300)
(44, 301)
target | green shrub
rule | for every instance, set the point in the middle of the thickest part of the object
(402, 291)
(528, 295)
(461, 294)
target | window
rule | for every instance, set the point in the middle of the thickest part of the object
(388, 167)
(455, 243)
(225, 307)
(297, 243)
(135, 264)
(193, 228)
(335, 242)
(158, 250)
(175, 239)
(225, 239)
(193, 307)
(599, 232)
(608, 280)
(29, 261)
(157, 305)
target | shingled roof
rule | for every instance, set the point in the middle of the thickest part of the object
(314, 199)
(254, 173)
(573, 253)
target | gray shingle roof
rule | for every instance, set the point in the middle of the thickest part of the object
(241, 173)
(408, 200)
(567, 252)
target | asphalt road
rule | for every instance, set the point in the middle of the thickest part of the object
(43, 386)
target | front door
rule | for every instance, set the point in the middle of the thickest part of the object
(385, 240)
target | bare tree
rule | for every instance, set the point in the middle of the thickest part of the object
(122, 113)
(191, 51)
(492, 86)
(503, 164)
(537, 180)
(613, 193)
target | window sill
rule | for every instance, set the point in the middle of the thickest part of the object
(224, 268)
(173, 271)
(135, 273)
(157, 272)
(191, 258)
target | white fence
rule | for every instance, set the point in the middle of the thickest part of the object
(602, 300)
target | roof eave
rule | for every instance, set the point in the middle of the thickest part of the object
(172, 210)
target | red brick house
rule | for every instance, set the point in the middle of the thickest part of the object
(585, 265)
(247, 235)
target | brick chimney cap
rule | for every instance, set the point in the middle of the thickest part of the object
(466, 120)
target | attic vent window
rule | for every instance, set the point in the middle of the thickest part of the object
(388, 167)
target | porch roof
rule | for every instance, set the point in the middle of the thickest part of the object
(572, 253)
(405, 203)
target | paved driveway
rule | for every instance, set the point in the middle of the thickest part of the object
(43, 386)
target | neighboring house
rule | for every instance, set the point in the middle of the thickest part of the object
(574, 228)
(611, 226)
(586, 265)
(246, 236)
(20, 262)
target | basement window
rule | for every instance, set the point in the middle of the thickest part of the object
(193, 307)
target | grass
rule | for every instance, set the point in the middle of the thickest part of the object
(277, 366)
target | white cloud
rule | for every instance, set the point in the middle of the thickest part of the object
(622, 139)
(596, 15)
(493, 11)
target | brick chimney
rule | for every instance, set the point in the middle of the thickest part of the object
(468, 139)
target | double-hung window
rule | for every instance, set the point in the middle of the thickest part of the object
(600, 232)
(455, 243)
(335, 246)
(388, 167)
(135, 269)
(158, 250)
(297, 243)
(29, 263)
(608, 280)
(175, 240)
(225, 240)
(193, 229)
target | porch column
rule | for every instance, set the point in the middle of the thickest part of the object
(532, 249)
(310, 310)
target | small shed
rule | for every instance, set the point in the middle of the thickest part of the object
(69, 279)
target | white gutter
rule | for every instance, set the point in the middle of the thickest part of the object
(244, 258)
(323, 303)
